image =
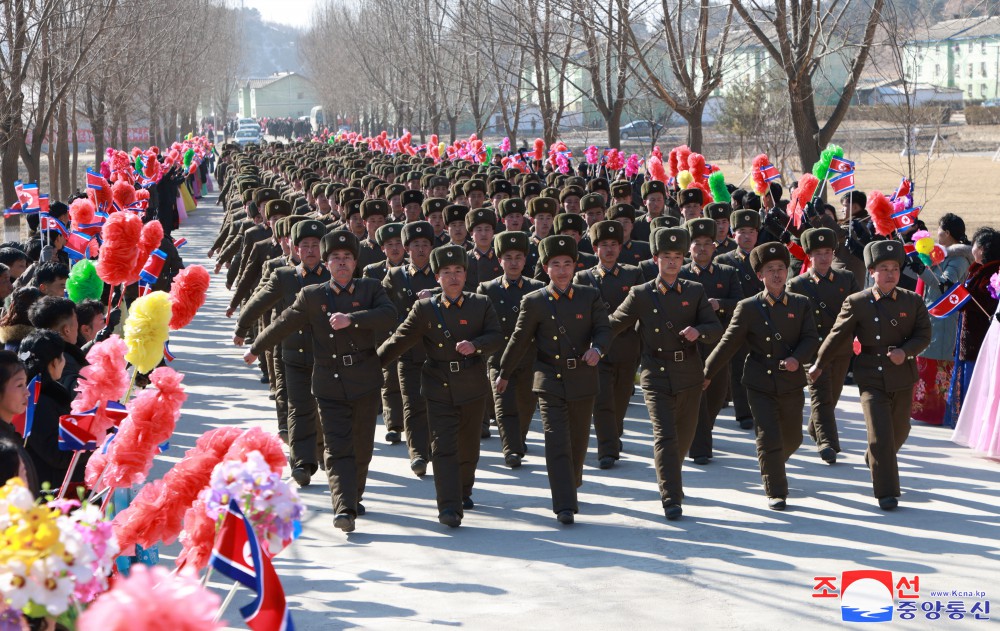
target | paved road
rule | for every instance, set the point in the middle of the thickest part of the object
(729, 563)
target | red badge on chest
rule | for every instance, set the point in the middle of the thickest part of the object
(579, 316)
(791, 315)
(684, 303)
(355, 304)
(902, 314)
(718, 285)
(463, 322)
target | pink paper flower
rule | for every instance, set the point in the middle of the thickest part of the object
(995, 286)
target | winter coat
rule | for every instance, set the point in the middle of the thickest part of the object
(938, 279)
(975, 323)
(12, 334)
(51, 463)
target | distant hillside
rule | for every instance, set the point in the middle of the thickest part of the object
(269, 47)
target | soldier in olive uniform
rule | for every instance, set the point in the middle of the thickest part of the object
(542, 211)
(826, 288)
(654, 198)
(722, 286)
(405, 285)
(389, 238)
(746, 227)
(513, 408)
(780, 331)
(720, 213)
(260, 253)
(690, 201)
(633, 252)
(575, 227)
(458, 331)
(673, 315)
(893, 327)
(617, 367)
(345, 316)
(570, 327)
(375, 213)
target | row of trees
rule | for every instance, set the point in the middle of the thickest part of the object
(424, 64)
(111, 64)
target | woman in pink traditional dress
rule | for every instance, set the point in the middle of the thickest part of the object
(978, 424)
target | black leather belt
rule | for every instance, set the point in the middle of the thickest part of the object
(570, 363)
(349, 359)
(877, 350)
(776, 364)
(457, 365)
(674, 356)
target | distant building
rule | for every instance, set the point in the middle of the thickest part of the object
(874, 92)
(962, 54)
(282, 95)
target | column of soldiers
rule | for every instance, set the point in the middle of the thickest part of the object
(449, 296)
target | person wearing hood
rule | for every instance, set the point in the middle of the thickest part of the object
(15, 324)
(936, 363)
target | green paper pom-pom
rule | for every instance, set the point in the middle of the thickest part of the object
(717, 184)
(84, 283)
(822, 166)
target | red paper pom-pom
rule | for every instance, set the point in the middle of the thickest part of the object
(187, 295)
(696, 166)
(880, 210)
(539, 148)
(149, 240)
(683, 152)
(760, 185)
(656, 170)
(118, 252)
(81, 211)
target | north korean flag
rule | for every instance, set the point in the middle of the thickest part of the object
(48, 222)
(30, 202)
(154, 266)
(906, 219)
(25, 421)
(841, 165)
(951, 302)
(76, 245)
(238, 555)
(75, 434)
(770, 172)
(842, 183)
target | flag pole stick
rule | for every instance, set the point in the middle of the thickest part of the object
(225, 603)
(69, 475)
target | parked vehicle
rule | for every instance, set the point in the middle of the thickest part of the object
(248, 136)
(639, 129)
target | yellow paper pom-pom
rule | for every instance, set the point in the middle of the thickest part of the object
(684, 179)
(146, 330)
(925, 245)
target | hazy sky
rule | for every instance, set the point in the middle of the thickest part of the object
(292, 12)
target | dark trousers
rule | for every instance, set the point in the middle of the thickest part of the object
(674, 418)
(454, 450)
(778, 427)
(887, 417)
(392, 400)
(280, 393)
(711, 404)
(617, 386)
(418, 434)
(513, 409)
(823, 396)
(349, 430)
(567, 432)
(741, 402)
(303, 418)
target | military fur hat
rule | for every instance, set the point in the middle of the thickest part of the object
(718, 210)
(700, 228)
(664, 221)
(542, 205)
(670, 240)
(351, 193)
(767, 252)
(570, 221)
(388, 231)
(262, 195)
(499, 186)
(448, 255)
(599, 184)
(478, 216)
(570, 191)
(592, 201)
(511, 240)
(352, 207)
(745, 219)
(653, 186)
(690, 196)
(282, 228)
(621, 211)
(339, 240)
(277, 207)
(318, 189)
(372, 207)
(557, 245)
(511, 206)
(304, 228)
(394, 189)
(878, 251)
(418, 230)
(474, 185)
(621, 189)
(531, 188)
(455, 212)
(815, 238)
(550, 191)
(608, 229)
(433, 205)
(411, 197)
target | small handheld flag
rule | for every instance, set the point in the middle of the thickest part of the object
(840, 165)
(906, 219)
(153, 267)
(842, 183)
(74, 433)
(24, 422)
(953, 300)
(167, 355)
(770, 172)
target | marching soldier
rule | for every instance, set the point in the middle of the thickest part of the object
(617, 367)
(893, 327)
(405, 285)
(826, 288)
(780, 331)
(345, 316)
(746, 226)
(673, 315)
(458, 330)
(722, 286)
(633, 252)
(389, 238)
(260, 253)
(720, 213)
(654, 198)
(575, 227)
(513, 408)
(375, 213)
(690, 201)
(570, 327)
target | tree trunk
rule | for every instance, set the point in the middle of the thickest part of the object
(614, 120)
(75, 163)
(802, 109)
(695, 136)
(65, 174)
(453, 127)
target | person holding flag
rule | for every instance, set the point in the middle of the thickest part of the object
(13, 404)
(893, 327)
(941, 285)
